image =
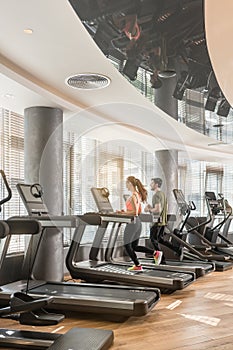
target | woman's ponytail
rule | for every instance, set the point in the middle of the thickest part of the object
(139, 186)
(141, 190)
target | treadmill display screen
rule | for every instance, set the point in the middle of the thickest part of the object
(33, 205)
(100, 196)
(27, 194)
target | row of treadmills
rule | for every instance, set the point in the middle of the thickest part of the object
(109, 288)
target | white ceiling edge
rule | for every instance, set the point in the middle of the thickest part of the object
(219, 28)
(16, 97)
(61, 47)
(96, 123)
(29, 90)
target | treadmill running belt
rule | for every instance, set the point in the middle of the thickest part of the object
(150, 277)
(89, 298)
(197, 267)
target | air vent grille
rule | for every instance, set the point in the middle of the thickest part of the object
(88, 81)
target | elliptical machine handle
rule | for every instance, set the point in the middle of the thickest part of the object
(192, 205)
(7, 188)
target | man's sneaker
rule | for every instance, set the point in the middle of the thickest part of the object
(158, 257)
(135, 268)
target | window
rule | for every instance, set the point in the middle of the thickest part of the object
(12, 163)
(87, 163)
(102, 165)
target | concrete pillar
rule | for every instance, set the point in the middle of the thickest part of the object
(167, 160)
(43, 150)
(167, 169)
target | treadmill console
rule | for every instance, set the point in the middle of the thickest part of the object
(34, 205)
(101, 198)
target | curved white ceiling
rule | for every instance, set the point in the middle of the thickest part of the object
(60, 47)
(219, 29)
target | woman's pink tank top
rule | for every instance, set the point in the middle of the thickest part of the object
(129, 205)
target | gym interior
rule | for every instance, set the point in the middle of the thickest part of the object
(92, 92)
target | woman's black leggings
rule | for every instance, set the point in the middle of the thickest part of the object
(131, 238)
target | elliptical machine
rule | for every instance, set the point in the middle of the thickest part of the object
(219, 209)
(198, 247)
(177, 237)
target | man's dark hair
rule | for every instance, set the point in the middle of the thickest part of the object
(157, 181)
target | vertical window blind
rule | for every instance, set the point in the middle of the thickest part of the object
(12, 163)
(101, 165)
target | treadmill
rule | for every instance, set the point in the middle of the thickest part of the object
(75, 338)
(30, 312)
(110, 301)
(95, 270)
(199, 268)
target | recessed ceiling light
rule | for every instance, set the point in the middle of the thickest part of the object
(88, 81)
(28, 31)
(8, 95)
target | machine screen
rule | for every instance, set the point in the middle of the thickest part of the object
(101, 199)
(33, 205)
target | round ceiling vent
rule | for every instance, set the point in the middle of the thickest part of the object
(88, 81)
